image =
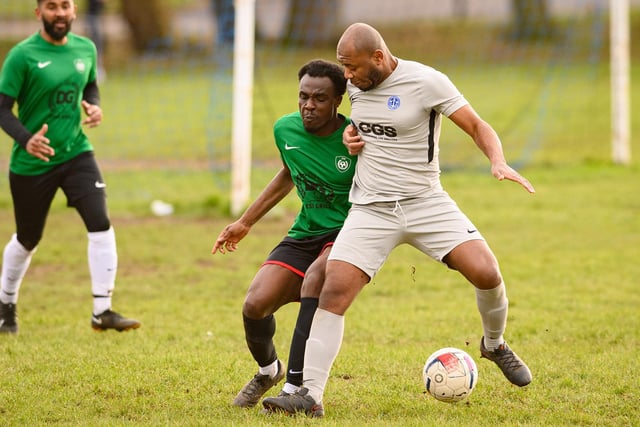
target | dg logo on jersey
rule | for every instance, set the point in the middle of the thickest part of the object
(343, 163)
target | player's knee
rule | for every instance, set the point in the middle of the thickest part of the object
(98, 223)
(258, 305)
(93, 210)
(312, 284)
(488, 277)
(29, 242)
(254, 309)
(338, 293)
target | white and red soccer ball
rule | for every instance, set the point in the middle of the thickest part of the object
(450, 374)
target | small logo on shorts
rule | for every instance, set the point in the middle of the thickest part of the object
(471, 231)
(100, 184)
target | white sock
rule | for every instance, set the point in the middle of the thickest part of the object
(493, 306)
(323, 345)
(103, 265)
(290, 388)
(270, 370)
(15, 262)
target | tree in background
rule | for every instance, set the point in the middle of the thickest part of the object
(149, 24)
(531, 19)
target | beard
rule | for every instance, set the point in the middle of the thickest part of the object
(374, 78)
(55, 32)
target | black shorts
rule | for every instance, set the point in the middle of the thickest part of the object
(78, 178)
(297, 255)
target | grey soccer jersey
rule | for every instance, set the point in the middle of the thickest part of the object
(400, 119)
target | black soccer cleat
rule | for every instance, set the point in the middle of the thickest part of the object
(8, 318)
(112, 320)
(291, 404)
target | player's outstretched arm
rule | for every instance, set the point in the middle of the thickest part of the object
(230, 236)
(273, 193)
(504, 171)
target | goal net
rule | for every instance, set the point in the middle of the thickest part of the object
(168, 87)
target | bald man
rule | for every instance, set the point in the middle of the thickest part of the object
(396, 111)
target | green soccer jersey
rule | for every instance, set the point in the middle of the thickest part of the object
(47, 82)
(322, 171)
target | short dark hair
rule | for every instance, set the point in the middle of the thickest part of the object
(39, 2)
(322, 68)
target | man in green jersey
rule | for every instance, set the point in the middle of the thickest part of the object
(52, 76)
(316, 162)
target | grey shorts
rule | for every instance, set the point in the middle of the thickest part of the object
(434, 225)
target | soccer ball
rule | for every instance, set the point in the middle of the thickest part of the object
(450, 375)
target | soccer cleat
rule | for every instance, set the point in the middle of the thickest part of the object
(112, 320)
(8, 322)
(251, 393)
(297, 402)
(282, 393)
(512, 367)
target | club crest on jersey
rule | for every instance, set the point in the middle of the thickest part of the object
(80, 65)
(343, 163)
(393, 103)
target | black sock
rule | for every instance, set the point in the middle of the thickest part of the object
(259, 335)
(299, 340)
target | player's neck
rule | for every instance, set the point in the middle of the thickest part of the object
(337, 122)
(46, 37)
(331, 126)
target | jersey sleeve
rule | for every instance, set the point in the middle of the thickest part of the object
(93, 72)
(443, 96)
(13, 73)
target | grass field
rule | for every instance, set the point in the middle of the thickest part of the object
(569, 255)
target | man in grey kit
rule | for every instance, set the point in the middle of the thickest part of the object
(396, 111)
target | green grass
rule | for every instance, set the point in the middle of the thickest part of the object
(569, 255)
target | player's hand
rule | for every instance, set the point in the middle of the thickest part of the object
(504, 171)
(94, 114)
(38, 145)
(351, 140)
(229, 238)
